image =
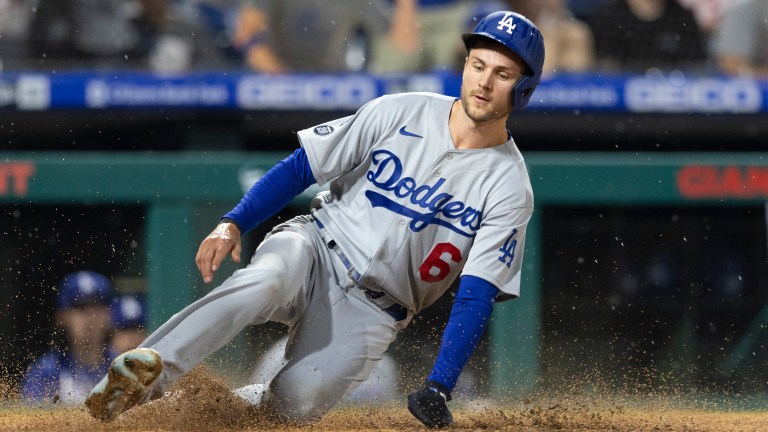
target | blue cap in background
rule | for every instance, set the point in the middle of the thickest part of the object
(129, 311)
(84, 287)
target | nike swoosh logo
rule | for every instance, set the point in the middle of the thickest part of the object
(410, 134)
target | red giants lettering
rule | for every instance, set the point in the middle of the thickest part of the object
(14, 178)
(706, 181)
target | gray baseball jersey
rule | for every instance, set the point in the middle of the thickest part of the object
(409, 210)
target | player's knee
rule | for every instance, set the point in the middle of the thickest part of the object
(272, 284)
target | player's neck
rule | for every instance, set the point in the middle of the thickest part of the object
(468, 134)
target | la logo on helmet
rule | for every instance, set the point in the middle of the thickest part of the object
(507, 22)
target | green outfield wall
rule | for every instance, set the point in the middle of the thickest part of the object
(179, 191)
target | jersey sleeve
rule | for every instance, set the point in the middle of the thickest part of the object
(338, 146)
(497, 252)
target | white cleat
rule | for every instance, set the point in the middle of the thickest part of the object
(254, 394)
(127, 383)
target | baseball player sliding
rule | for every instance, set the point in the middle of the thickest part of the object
(423, 188)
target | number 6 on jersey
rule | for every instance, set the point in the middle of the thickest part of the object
(435, 268)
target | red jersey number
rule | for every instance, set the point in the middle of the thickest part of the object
(435, 268)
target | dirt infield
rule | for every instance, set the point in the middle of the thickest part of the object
(202, 402)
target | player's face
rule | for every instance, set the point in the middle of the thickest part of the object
(490, 74)
(86, 325)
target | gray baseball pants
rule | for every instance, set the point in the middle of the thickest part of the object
(337, 335)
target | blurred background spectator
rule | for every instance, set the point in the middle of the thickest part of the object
(86, 33)
(15, 21)
(583, 8)
(707, 12)
(378, 36)
(78, 356)
(422, 36)
(277, 36)
(129, 319)
(568, 41)
(220, 19)
(638, 35)
(174, 38)
(740, 42)
(159, 35)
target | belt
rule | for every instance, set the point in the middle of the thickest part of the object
(397, 311)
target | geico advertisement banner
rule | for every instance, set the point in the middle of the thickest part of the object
(577, 93)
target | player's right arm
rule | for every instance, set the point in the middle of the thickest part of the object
(326, 152)
(267, 196)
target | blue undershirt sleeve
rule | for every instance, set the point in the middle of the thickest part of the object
(469, 318)
(281, 184)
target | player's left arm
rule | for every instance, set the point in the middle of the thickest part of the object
(491, 273)
(469, 317)
(468, 320)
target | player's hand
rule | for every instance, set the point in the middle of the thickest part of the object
(224, 239)
(428, 405)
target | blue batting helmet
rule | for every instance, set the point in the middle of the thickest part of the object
(129, 311)
(83, 287)
(519, 34)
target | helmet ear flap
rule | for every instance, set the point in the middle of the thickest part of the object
(522, 91)
(527, 92)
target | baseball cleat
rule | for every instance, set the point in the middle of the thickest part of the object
(127, 383)
(254, 394)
